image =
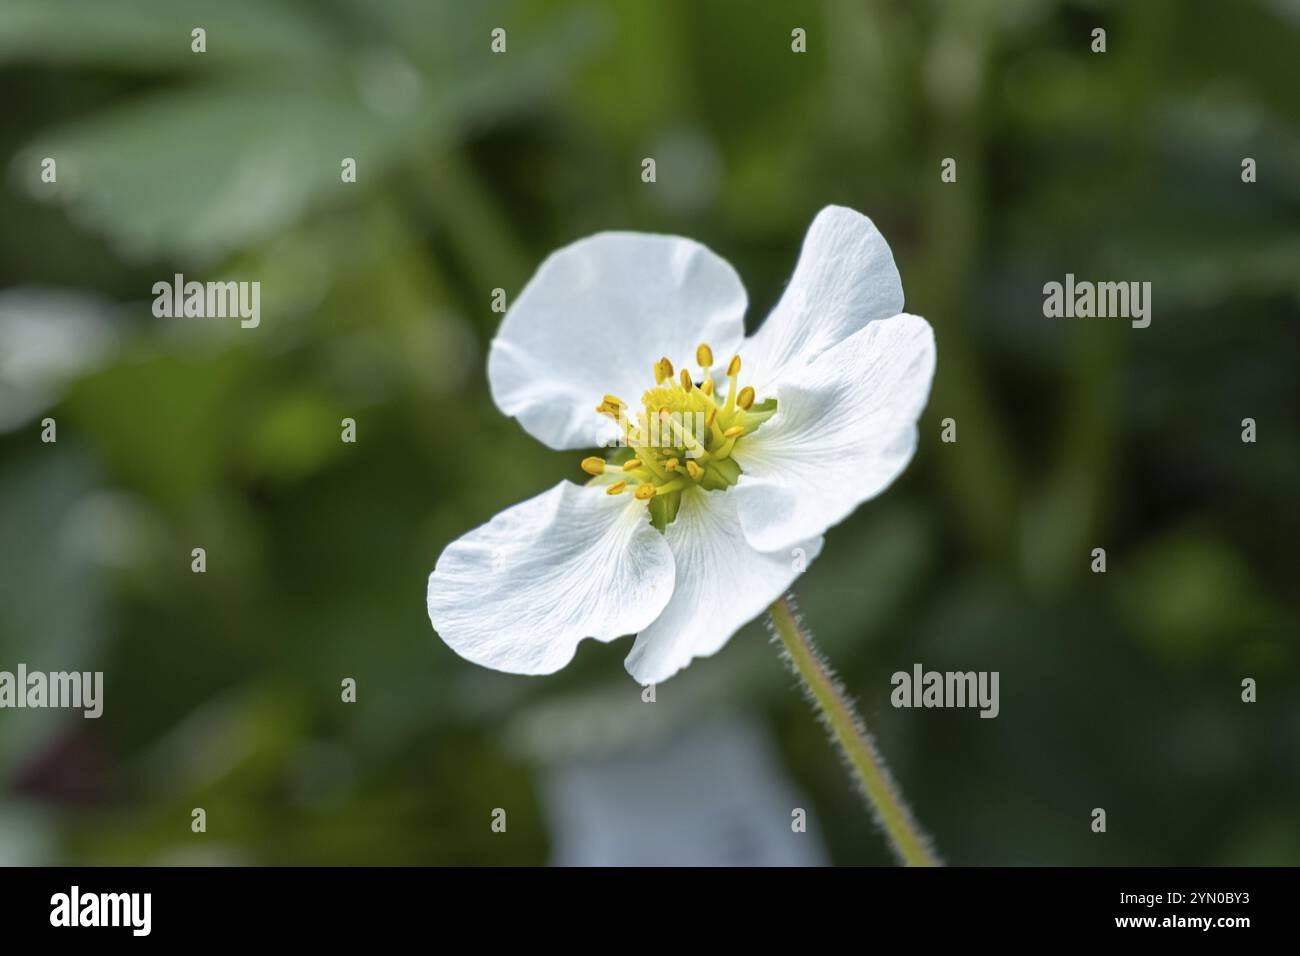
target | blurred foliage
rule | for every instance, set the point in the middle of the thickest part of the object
(1119, 690)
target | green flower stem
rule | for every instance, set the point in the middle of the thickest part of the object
(847, 729)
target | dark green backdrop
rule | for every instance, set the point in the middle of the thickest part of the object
(1119, 690)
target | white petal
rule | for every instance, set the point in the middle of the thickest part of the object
(844, 428)
(845, 278)
(518, 593)
(596, 317)
(722, 584)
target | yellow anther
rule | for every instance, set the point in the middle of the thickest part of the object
(665, 411)
(707, 386)
(746, 398)
(607, 409)
(617, 488)
(671, 464)
(687, 384)
(616, 402)
(663, 370)
(733, 367)
(711, 416)
(704, 355)
(593, 465)
(694, 470)
(735, 431)
(633, 464)
(644, 492)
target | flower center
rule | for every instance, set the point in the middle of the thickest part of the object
(683, 437)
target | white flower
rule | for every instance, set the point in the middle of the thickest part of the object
(703, 529)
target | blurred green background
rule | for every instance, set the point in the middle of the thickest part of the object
(1119, 690)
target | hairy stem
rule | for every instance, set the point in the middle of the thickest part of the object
(840, 717)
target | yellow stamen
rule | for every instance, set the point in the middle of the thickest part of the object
(733, 369)
(652, 472)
